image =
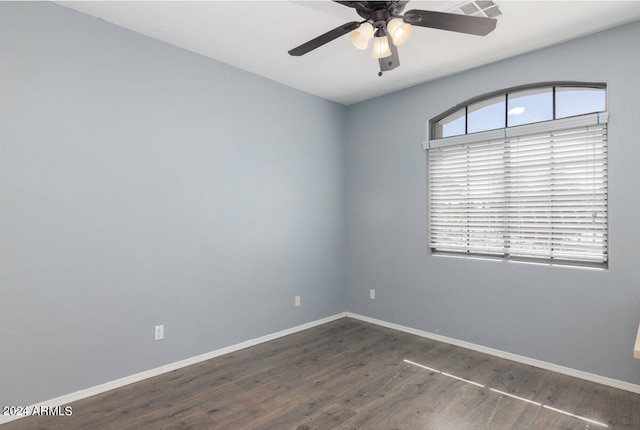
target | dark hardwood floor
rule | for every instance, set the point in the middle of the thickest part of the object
(349, 374)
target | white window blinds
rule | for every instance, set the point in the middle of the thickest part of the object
(533, 192)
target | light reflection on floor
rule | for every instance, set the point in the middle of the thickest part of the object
(506, 394)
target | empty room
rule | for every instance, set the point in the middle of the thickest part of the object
(319, 215)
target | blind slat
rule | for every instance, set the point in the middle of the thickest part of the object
(531, 193)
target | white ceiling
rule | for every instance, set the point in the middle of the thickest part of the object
(256, 35)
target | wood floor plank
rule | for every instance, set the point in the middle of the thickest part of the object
(347, 375)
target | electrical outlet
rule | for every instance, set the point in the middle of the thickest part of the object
(372, 294)
(159, 332)
(296, 301)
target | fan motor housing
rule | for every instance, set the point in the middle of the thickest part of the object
(373, 9)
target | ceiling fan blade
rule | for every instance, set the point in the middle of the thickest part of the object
(476, 25)
(324, 38)
(352, 3)
(391, 62)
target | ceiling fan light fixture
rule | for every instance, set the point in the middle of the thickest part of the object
(383, 21)
(399, 31)
(360, 36)
(381, 47)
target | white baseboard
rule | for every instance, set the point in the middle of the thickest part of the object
(79, 395)
(615, 383)
(98, 389)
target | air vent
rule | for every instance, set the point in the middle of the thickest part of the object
(469, 9)
(485, 8)
(485, 4)
(492, 12)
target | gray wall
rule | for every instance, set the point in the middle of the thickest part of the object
(141, 184)
(579, 318)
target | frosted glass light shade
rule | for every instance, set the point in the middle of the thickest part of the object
(399, 31)
(381, 47)
(360, 36)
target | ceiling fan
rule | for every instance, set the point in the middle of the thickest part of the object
(384, 23)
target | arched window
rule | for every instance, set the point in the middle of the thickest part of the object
(518, 106)
(521, 174)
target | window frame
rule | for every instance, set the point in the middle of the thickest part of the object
(467, 136)
(505, 92)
